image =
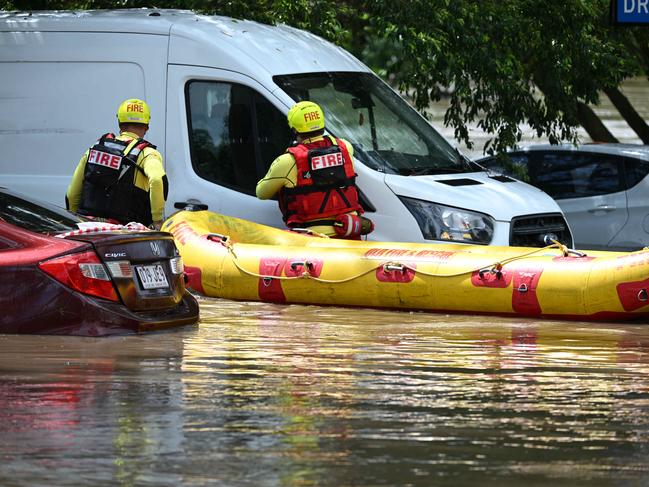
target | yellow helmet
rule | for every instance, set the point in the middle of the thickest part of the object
(133, 111)
(306, 116)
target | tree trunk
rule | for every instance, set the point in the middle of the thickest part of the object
(585, 115)
(593, 125)
(629, 113)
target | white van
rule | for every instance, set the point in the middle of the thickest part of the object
(219, 90)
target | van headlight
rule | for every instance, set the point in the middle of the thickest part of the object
(439, 222)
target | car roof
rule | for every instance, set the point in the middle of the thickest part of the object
(637, 151)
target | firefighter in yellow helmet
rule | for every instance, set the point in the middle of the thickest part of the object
(121, 179)
(314, 180)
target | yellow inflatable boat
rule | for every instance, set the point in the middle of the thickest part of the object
(236, 259)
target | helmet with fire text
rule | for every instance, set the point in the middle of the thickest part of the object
(134, 111)
(306, 116)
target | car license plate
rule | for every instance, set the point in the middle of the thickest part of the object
(152, 276)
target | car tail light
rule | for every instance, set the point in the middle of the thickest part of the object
(120, 268)
(82, 272)
(177, 266)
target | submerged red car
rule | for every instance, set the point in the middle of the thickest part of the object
(86, 283)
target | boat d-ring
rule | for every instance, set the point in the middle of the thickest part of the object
(642, 295)
(523, 288)
(267, 281)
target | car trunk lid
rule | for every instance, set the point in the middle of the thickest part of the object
(145, 267)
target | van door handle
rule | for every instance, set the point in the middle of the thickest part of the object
(190, 205)
(604, 208)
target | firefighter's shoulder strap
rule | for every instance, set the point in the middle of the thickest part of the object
(132, 151)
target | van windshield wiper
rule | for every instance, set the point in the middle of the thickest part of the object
(472, 165)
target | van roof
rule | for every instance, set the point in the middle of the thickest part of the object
(279, 49)
(144, 21)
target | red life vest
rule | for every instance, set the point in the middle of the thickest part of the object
(325, 186)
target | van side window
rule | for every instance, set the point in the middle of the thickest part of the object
(234, 133)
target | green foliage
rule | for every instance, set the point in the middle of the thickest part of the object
(504, 62)
(509, 62)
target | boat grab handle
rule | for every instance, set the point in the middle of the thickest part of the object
(301, 263)
(217, 237)
(391, 267)
(576, 253)
(498, 273)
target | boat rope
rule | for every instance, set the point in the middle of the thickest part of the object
(496, 267)
(392, 266)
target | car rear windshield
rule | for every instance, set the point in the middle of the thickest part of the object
(388, 135)
(36, 217)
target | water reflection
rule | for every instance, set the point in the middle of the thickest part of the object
(78, 408)
(264, 394)
(382, 397)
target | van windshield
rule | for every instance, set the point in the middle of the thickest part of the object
(388, 135)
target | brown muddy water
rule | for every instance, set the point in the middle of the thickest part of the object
(287, 395)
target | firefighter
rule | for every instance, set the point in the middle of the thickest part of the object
(314, 180)
(121, 179)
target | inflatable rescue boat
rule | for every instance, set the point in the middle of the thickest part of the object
(237, 259)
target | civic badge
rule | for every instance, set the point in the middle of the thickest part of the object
(155, 248)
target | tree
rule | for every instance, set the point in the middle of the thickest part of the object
(510, 61)
(502, 62)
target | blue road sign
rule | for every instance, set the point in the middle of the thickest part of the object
(630, 12)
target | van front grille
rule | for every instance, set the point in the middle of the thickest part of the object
(531, 230)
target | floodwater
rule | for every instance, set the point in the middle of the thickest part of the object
(285, 395)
